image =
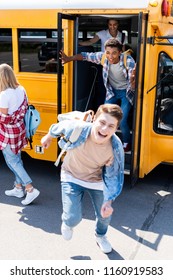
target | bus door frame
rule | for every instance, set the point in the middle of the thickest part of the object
(137, 110)
(74, 18)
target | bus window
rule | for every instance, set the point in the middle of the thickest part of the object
(164, 100)
(97, 45)
(6, 46)
(38, 50)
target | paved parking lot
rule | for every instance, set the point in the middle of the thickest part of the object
(141, 227)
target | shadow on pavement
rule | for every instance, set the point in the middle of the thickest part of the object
(136, 209)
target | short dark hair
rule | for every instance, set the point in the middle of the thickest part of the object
(113, 110)
(113, 43)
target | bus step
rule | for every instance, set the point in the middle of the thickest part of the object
(126, 171)
(119, 131)
(128, 158)
(127, 168)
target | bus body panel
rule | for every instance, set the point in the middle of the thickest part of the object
(73, 4)
(155, 148)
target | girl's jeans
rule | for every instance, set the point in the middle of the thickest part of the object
(14, 162)
(120, 94)
(72, 195)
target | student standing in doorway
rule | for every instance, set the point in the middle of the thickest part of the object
(104, 35)
(118, 77)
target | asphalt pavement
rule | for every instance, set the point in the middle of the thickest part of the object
(141, 227)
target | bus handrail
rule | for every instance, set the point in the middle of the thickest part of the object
(170, 73)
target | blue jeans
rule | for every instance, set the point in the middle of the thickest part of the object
(15, 164)
(72, 195)
(120, 94)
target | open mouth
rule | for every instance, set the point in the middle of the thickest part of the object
(102, 135)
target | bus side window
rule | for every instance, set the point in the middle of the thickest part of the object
(164, 108)
(6, 46)
(37, 50)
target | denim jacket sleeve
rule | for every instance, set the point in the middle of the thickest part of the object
(65, 128)
(58, 129)
(113, 175)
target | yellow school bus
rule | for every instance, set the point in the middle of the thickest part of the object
(33, 32)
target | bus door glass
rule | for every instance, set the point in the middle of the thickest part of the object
(137, 114)
(69, 42)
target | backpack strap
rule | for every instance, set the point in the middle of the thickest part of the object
(123, 38)
(126, 53)
(125, 60)
(103, 59)
(88, 116)
(73, 138)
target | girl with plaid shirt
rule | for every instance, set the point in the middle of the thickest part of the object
(13, 106)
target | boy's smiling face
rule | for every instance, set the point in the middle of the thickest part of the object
(112, 54)
(104, 126)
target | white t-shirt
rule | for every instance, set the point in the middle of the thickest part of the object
(104, 35)
(12, 99)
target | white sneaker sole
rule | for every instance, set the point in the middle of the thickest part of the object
(104, 251)
(27, 202)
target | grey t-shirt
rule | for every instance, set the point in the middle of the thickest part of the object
(116, 77)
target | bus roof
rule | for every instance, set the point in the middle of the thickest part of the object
(72, 4)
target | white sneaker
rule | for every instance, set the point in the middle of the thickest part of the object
(104, 244)
(15, 192)
(66, 231)
(30, 196)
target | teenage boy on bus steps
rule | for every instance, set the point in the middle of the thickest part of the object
(118, 77)
(94, 163)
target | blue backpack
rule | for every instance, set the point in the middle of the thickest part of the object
(32, 120)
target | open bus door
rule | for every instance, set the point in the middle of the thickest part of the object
(79, 90)
(137, 112)
(70, 19)
(157, 119)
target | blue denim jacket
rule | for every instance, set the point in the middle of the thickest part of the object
(113, 175)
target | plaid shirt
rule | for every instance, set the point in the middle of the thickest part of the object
(130, 64)
(12, 129)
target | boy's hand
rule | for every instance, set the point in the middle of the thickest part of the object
(132, 78)
(106, 209)
(64, 58)
(46, 141)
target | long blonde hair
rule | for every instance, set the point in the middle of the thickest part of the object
(7, 77)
